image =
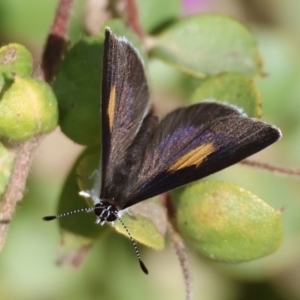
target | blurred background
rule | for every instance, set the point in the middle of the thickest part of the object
(27, 262)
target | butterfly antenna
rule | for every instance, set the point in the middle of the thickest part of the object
(49, 218)
(143, 267)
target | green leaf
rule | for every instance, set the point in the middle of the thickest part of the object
(209, 44)
(147, 223)
(77, 88)
(87, 168)
(232, 88)
(7, 160)
(154, 14)
(82, 224)
(227, 223)
(78, 85)
(27, 107)
(172, 85)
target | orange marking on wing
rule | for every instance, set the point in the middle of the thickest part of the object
(111, 107)
(194, 157)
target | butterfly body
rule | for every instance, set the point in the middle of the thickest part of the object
(143, 157)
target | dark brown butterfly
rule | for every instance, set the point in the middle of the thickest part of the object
(142, 156)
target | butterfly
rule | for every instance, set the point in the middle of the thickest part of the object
(143, 156)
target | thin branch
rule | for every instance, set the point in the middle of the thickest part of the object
(74, 258)
(178, 244)
(272, 168)
(183, 259)
(133, 18)
(17, 184)
(57, 40)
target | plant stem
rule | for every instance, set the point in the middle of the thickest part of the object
(15, 189)
(57, 40)
(271, 168)
(183, 259)
(133, 18)
(51, 57)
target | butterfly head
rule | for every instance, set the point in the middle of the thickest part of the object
(105, 212)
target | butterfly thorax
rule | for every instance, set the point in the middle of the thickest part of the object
(105, 212)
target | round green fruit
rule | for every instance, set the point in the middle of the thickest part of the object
(27, 107)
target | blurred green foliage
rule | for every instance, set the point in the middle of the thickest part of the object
(30, 252)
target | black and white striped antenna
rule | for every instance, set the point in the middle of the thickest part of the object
(50, 218)
(142, 265)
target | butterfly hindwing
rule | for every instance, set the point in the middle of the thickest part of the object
(125, 101)
(142, 158)
(194, 142)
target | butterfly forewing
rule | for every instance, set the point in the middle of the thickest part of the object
(125, 99)
(194, 142)
(142, 158)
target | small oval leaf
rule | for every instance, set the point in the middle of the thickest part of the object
(209, 44)
(147, 224)
(77, 87)
(232, 88)
(226, 222)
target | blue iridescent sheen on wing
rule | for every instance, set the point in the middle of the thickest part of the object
(142, 157)
(187, 146)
